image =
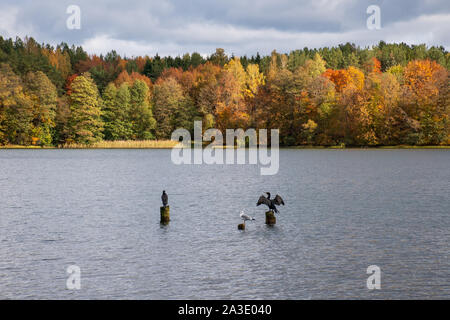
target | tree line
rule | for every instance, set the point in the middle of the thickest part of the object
(388, 94)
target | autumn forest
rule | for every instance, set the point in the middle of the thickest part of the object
(388, 94)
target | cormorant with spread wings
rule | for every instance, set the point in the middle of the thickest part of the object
(271, 202)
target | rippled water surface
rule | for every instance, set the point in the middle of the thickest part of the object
(345, 210)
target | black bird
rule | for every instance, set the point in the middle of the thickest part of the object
(271, 202)
(165, 198)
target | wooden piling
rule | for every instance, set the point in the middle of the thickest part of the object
(270, 218)
(165, 214)
(241, 226)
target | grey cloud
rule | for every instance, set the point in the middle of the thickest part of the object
(241, 27)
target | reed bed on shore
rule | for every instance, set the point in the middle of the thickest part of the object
(168, 144)
(129, 144)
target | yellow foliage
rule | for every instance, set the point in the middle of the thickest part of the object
(60, 60)
(357, 77)
(235, 68)
(254, 79)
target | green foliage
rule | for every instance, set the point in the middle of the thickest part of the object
(85, 121)
(28, 56)
(219, 57)
(141, 116)
(172, 109)
(153, 68)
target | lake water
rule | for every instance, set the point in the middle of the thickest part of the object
(345, 210)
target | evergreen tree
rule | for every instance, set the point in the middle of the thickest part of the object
(141, 117)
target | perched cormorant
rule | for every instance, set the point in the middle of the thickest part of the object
(165, 198)
(271, 202)
(245, 217)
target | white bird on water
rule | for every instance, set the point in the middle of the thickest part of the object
(245, 217)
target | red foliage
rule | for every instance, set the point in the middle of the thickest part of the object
(68, 85)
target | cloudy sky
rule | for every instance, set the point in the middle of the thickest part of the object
(174, 27)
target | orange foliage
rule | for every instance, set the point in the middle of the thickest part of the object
(420, 73)
(123, 77)
(131, 78)
(372, 66)
(208, 73)
(189, 80)
(176, 73)
(140, 62)
(340, 78)
(121, 64)
(231, 111)
(68, 85)
(423, 80)
(137, 76)
(60, 60)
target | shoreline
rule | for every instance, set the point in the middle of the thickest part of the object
(165, 146)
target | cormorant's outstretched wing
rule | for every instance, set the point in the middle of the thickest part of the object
(278, 200)
(263, 200)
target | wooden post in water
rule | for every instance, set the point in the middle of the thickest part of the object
(270, 218)
(165, 214)
(241, 226)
